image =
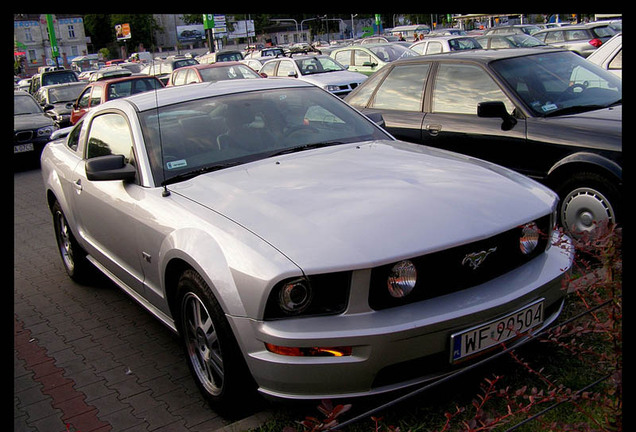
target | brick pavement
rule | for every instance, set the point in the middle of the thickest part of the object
(88, 358)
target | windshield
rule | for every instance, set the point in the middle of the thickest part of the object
(315, 65)
(65, 94)
(210, 133)
(25, 105)
(392, 52)
(220, 73)
(59, 78)
(559, 83)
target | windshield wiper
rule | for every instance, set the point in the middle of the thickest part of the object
(196, 172)
(305, 147)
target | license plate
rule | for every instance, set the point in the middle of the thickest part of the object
(21, 148)
(469, 342)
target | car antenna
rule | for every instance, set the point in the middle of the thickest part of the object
(166, 192)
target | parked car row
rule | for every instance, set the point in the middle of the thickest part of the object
(247, 214)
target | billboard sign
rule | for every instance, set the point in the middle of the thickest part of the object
(122, 31)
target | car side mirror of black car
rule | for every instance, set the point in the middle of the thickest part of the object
(109, 167)
(376, 118)
(496, 109)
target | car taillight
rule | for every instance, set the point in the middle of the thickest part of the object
(596, 42)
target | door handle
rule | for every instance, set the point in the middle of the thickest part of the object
(433, 129)
(77, 184)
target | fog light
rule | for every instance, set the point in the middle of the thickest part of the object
(529, 238)
(402, 279)
(309, 351)
(295, 296)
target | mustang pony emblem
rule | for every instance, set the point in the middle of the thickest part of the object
(475, 259)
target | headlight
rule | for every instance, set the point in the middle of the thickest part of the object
(295, 296)
(45, 131)
(333, 88)
(402, 279)
(321, 294)
(529, 238)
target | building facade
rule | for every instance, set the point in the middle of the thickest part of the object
(32, 48)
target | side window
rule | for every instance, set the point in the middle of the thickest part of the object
(192, 77)
(269, 68)
(96, 96)
(360, 98)
(617, 61)
(344, 58)
(285, 67)
(419, 48)
(403, 87)
(360, 58)
(110, 134)
(576, 35)
(434, 48)
(84, 98)
(460, 87)
(554, 37)
(178, 77)
(74, 135)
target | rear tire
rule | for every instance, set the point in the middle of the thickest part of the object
(73, 255)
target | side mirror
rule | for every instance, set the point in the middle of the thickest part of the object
(109, 167)
(292, 74)
(376, 118)
(496, 109)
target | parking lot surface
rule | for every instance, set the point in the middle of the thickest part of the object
(88, 358)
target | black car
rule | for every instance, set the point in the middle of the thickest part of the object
(547, 113)
(57, 100)
(32, 128)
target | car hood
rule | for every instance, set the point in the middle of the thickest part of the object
(31, 121)
(368, 204)
(334, 78)
(599, 129)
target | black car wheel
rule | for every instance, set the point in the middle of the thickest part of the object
(587, 200)
(212, 352)
(73, 256)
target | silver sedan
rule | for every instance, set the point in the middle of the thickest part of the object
(295, 246)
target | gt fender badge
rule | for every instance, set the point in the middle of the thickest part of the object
(475, 259)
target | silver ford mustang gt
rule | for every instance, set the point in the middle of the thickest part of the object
(295, 246)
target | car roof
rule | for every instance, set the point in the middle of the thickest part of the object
(584, 26)
(68, 84)
(105, 82)
(171, 95)
(211, 65)
(483, 56)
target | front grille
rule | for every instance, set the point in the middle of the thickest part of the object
(23, 136)
(449, 271)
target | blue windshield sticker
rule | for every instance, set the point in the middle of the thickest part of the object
(176, 164)
(549, 107)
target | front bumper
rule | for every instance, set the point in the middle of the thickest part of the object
(392, 348)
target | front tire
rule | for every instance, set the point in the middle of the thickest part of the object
(587, 200)
(212, 352)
